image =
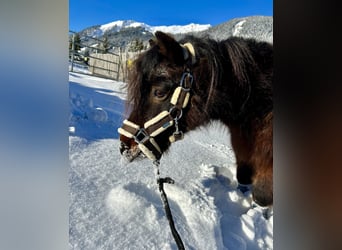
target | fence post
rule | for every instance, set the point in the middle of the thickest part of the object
(119, 65)
(72, 52)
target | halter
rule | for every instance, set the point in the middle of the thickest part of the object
(144, 137)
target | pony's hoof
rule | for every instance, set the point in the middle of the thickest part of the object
(267, 212)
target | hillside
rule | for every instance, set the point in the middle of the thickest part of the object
(259, 27)
(122, 33)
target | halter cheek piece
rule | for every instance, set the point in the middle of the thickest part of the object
(144, 137)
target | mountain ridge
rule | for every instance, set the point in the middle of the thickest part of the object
(173, 29)
(121, 33)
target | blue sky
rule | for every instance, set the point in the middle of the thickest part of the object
(85, 13)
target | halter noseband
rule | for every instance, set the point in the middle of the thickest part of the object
(144, 137)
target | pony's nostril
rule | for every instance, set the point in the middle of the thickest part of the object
(123, 147)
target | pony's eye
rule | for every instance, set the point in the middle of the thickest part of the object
(159, 93)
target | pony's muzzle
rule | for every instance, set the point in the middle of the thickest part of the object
(128, 148)
(123, 147)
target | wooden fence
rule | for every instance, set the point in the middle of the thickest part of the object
(113, 65)
(106, 65)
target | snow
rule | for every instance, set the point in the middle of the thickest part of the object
(116, 205)
(173, 29)
(238, 28)
(119, 25)
(181, 29)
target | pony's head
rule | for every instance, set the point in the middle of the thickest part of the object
(161, 98)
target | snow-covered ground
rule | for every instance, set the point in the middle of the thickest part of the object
(116, 205)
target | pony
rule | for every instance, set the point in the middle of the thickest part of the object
(177, 86)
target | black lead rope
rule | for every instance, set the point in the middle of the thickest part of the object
(160, 182)
(167, 209)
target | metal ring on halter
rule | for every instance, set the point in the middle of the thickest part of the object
(179, 112)
(141, 136)
(181, 84)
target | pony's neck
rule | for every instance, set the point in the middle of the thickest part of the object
(233, 81)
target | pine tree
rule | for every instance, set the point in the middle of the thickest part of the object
(104, 46)
(74, 44)
(137, 45)
(77, 42)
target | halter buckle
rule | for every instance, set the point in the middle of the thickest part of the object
(141, 136)
(186, 76)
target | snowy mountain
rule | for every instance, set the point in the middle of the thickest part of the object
(120, 33)
(173, 29)
(258, 27)
(117, 26)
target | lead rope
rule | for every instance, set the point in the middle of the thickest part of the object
(160, 182)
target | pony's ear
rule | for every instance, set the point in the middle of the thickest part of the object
(152, 42)
(170, 48)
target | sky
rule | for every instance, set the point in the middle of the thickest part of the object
(86, 13)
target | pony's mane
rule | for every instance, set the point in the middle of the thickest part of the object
(233, 62)
(142, 66)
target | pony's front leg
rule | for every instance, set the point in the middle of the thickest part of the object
(263, 186)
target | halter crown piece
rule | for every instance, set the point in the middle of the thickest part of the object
(188, 48)
(144, 137)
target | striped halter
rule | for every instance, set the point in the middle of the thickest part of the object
(145, 137)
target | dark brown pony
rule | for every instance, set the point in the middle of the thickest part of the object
(232, 82)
